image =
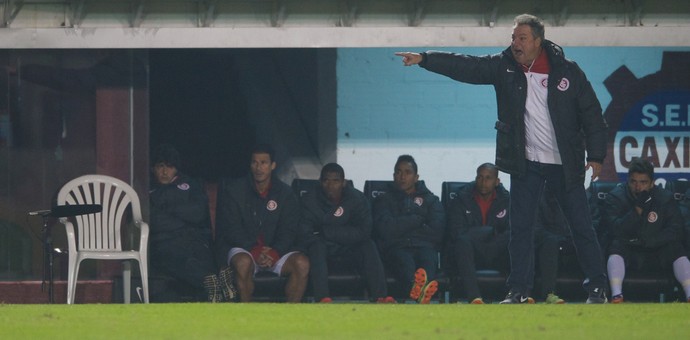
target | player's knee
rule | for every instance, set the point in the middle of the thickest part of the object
(243, 264)
(300, 264)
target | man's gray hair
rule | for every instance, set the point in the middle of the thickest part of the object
(534, 22)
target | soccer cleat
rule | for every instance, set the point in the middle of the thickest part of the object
(597, 295)
(554, 299)
(617, 299)
(226, 285)
(477, 301)
(212, 287)
(326, 300)
(419, 283)
(387, 299)
(515, 297)
(428, 292)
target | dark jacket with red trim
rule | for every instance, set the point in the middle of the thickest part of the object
(402, 220)
(660, 222)
(573, 106)
(345, 224)
(464, 212)
(242, 214)
(177, 207)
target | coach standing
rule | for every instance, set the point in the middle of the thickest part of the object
(548, 114)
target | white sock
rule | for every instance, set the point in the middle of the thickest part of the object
(681, 268)
(616, 269)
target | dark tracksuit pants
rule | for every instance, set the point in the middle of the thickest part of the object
(480, 247)
(548, 250)
(185, 255)
(525, 193)
(404, 262)
(363, 256)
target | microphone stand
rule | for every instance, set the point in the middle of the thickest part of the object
(47, 259)
(48, 250)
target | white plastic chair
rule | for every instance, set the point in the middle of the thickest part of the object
(99, 235)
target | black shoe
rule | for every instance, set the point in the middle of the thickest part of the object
(597, 295)
(515, 297)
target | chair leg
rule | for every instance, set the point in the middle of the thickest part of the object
(127, 281)
(72, 277)
(144, 280)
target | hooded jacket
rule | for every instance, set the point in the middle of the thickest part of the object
(345, 224)
(573, 106)
(659, 224)
(464, 212)
(178, 207)
(242, 215)
(402, 220)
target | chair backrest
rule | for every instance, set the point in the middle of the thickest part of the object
(302, 186)
(374, 188)
(600, 189)
(449, 191)
(100, 231)
(679, 187)
(597, 197)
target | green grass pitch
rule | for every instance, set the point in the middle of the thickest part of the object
(345, 321)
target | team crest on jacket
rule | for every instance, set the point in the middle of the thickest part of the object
(338, 212)
(272, 205)
(652, 217)
(501, 214)
(564, 84)
(418, 201)
(183, 186)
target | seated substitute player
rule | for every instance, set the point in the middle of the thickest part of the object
(338, 221)
(479, 230)
(257, 228)
(647, 226)
(409, 223)
(180, 239)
